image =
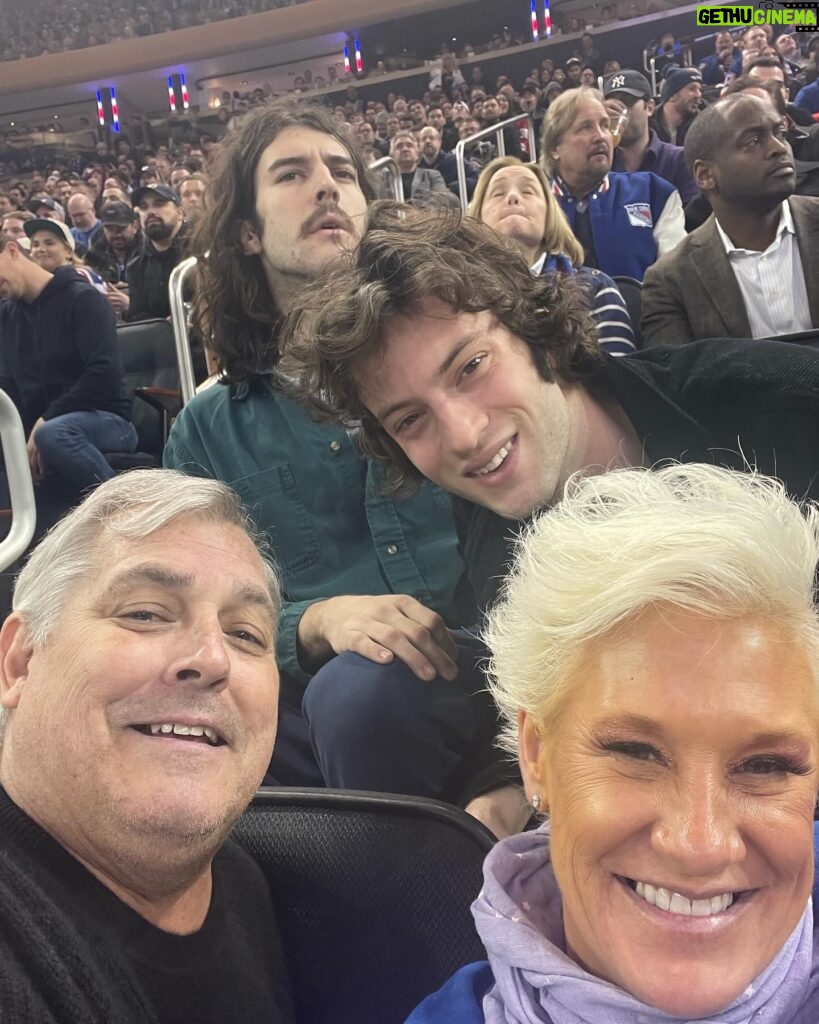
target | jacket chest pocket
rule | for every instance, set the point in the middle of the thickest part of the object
(272, 499)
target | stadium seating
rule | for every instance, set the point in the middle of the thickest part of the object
(373, 894)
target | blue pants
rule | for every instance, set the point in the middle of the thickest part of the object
(72, 445)
(378, 727)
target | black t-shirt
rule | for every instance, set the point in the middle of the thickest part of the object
(231, 971)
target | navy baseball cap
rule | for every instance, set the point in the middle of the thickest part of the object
(119, 214)
(632, 83)
(163, 192)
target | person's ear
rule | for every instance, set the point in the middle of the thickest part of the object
(531, 754)
(650, 107)
(703, 175)
(15, 655)
(250, 240)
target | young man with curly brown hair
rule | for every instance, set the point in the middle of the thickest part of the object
(457, 365)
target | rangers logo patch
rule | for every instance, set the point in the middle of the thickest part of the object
(639, 215)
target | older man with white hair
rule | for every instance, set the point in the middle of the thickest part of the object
(139, 691)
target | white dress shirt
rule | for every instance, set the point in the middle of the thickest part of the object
(772, 283)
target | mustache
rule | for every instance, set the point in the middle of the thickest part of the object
(329, 210)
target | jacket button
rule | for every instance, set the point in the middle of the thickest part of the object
(335, 446)
(392, 549)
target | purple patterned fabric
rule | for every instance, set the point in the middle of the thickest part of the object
(519, 917)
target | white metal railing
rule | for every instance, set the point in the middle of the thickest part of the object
(179, 319)
(386, 163)
(497, 131)
(650, 63)
(21, 489)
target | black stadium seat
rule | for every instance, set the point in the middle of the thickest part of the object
(152, 377)
(372, 893)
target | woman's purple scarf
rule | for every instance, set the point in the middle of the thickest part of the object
(519, 917)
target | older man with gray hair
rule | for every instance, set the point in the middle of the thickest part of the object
(624, 221)
(139, 691)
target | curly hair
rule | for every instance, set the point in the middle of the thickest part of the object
(233, 308)
(405, 258)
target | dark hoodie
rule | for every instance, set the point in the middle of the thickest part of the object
(59, 353)
(101, 258)
(149, 274)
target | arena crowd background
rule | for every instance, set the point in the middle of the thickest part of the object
(231, 54)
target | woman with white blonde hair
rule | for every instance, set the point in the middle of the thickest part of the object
(655, 659)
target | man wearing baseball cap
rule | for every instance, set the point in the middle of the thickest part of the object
(46, 208)
(161, 218)
(679, 104)
(114, 247)
(574, 67)
(628, 94)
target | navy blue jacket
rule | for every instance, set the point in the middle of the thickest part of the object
(59, 353)
(666, 160)
(634, 219)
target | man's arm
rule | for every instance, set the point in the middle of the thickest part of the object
(664, 320)
(7, 382)
(381, 628)
(683, 181)
(137, 299)
(669, 230)
(93, 332)
(429, 189)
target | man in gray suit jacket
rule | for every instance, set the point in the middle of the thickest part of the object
(752, 270)
(423, 186)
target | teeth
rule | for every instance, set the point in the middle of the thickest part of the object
(674, 903)
(498, 460)
(166, 728)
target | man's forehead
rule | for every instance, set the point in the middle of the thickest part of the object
(747, 110)
(300, 142)
(184, 552)
(589, 108)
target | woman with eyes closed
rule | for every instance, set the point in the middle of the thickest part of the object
(516, 200)
(655, 660)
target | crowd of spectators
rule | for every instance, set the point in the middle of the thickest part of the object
(420, 133)
(46, 27)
